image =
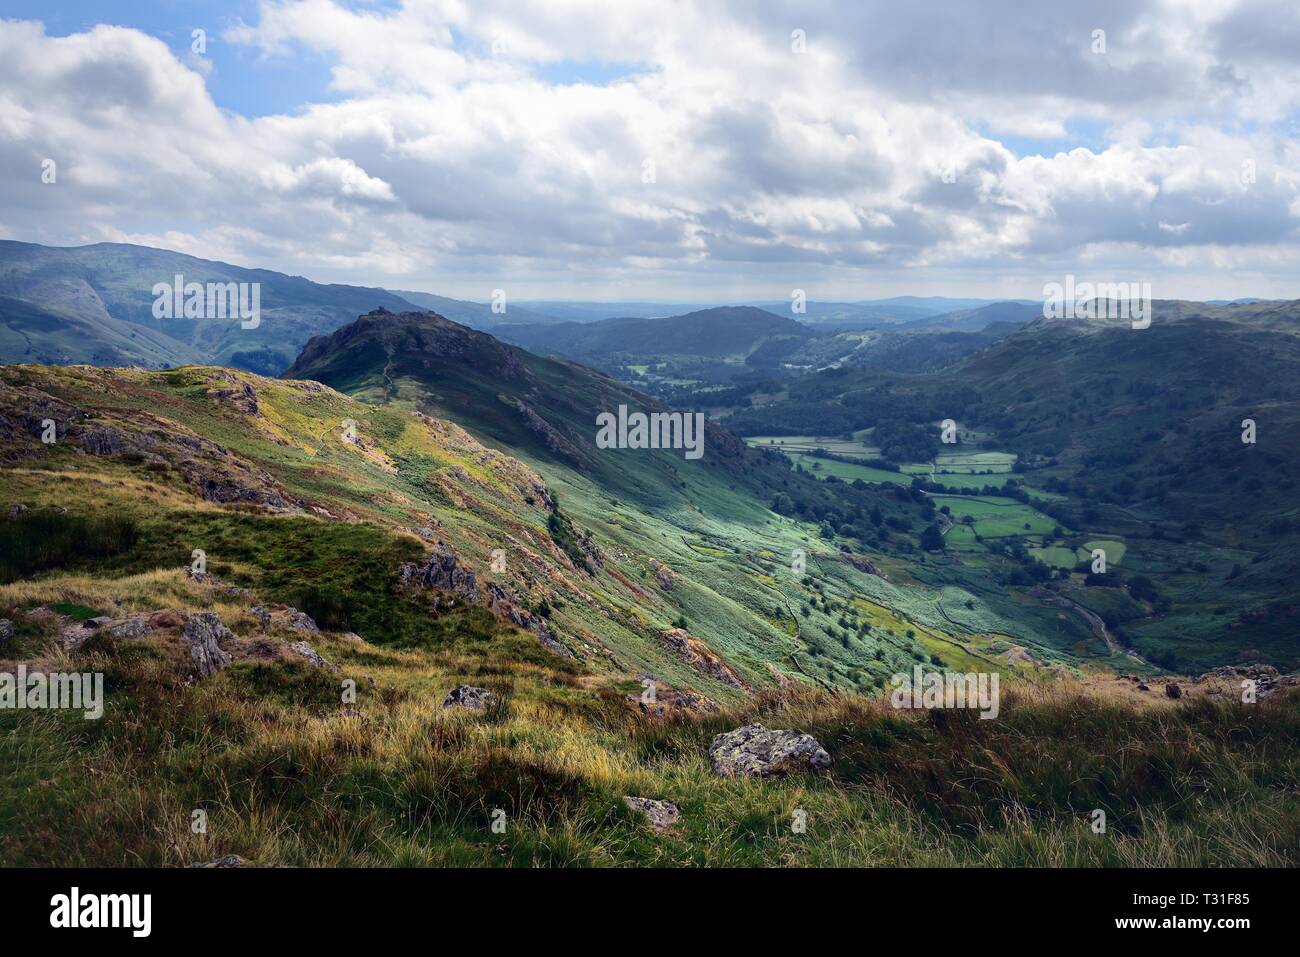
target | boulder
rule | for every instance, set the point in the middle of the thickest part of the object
(467, 696)
(1173, 691)
(7, 629)
(661, 814)
(204, 632)
(311, 654)
(756, 751)
(300, 620)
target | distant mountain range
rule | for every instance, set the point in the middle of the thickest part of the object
(94, 304)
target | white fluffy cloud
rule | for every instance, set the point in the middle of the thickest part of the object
(460, 151)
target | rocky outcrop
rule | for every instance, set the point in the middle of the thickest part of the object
(504, 607)
(311, 654)
(208, 466)
(285, 616)
(240, 396)
(702, 658)
(661, 814)
(467, 696)
(443, 571)
(755, 751)
(205, 633)
(300, 620)
(228, 485)
(1267, 679)
(555, 440)
(664, 576)
(863, 565)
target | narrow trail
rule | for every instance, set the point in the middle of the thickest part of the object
(390, 387)
(1098, 626)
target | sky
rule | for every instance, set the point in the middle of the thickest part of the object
(668, 150)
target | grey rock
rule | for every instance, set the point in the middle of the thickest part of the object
(661, 814)
(443, 570)
(1173, 691)
(300, 621)
(205, 632)
(230, 860)
(467, 696)
(16, 510)
(7, 630)
(311, 654)
(137, 626)
(755, 751)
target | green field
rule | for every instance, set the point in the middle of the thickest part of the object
(849, 470)
(997, 517)
(958, 470)
(1055, 555)
(1114, 550)
(808, 443)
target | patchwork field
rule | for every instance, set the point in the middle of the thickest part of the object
(997, 517)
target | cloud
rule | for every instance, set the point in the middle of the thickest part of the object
(461, 150)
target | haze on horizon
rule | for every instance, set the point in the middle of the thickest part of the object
(719, 153)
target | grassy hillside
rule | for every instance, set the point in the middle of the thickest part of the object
(94, 304)
(262, 475)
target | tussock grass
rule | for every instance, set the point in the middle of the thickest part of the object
(286, 775)
(37, 540)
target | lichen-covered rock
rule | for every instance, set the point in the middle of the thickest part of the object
(205, 632)
(300, 620)
(230, 860)
(661, 814)
(467, 696)
(7, 630)
(311, 654)
(756, 751)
